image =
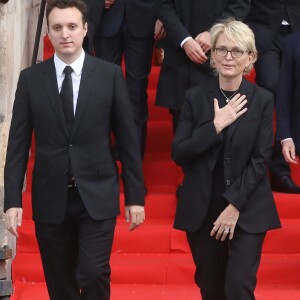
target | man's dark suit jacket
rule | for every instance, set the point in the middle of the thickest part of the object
(288, 94)
(102, 104)
(95, 9)
(248, 147)
(181, 19)
(140, 18)
(265, 18)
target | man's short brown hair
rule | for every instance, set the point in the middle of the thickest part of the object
(79, 4)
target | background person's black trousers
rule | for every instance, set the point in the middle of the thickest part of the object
(75, 254)
(138, 61)
(267, 75)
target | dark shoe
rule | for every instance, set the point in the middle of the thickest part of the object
(178, 190)
(284, 184)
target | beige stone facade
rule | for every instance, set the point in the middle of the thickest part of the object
(18, 20)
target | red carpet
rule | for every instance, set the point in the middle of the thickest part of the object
(154, 262)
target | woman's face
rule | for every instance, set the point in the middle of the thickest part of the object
(228, 66)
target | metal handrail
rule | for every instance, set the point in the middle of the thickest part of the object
(38, 33)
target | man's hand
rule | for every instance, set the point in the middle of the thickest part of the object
(194, 51)
(225, 224)
(108, 3)
(289, 151)
(203, 39)
(136, 214)
(159, 31)
(229, 113)
(13, 219)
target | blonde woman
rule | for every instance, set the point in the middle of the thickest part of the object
(223, 142)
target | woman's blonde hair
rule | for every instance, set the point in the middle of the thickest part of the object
(238, 32)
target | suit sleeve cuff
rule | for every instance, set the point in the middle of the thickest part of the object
(183, 42)
(287, 139)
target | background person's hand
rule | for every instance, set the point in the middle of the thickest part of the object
(203, 39)
(194, 51)
(108, 3)
(159, 31)
(134, 214)
(289, 151)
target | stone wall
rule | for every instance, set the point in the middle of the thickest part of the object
(18, 19)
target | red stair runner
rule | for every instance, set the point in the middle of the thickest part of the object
(154, 262)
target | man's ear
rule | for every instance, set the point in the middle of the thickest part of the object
(85, 26)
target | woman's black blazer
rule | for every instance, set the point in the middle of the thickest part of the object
(248, 148)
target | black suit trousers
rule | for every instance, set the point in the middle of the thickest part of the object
(76, 253)
(137, 54)
(267, 75)
(226, 270)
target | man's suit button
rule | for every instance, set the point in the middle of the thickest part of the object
(70, 146)
(65, 172)
(227, 160)
(228, 182)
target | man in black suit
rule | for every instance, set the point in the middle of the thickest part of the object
(272, 21)
(288, 99)
(129, 28)
(187, 45)
(75, 187)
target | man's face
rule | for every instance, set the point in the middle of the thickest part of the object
(66, 32)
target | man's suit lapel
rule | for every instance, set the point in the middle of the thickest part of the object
(50, 81)
(86, 82)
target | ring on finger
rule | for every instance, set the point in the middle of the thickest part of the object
(226, 230)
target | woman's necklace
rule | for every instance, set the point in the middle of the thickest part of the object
(226, 97)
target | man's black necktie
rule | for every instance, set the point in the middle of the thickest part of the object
(66, 96)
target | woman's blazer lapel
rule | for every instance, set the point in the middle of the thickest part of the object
(244, 89)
